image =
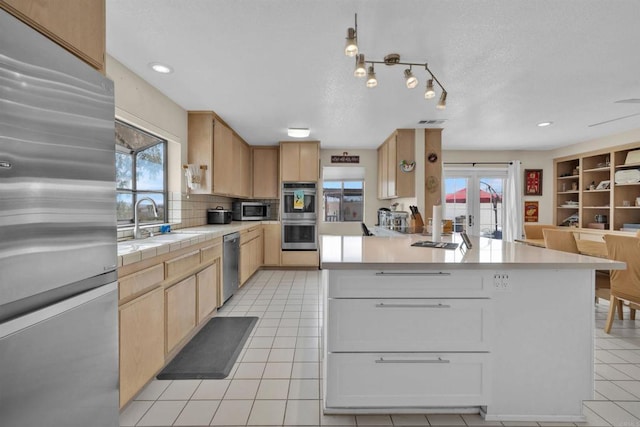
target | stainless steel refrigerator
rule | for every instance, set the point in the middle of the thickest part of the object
(58, 294)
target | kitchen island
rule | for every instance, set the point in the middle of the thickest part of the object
(501, 329)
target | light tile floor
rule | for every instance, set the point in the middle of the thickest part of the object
(276, 380)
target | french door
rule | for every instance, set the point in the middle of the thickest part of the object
(474, 201)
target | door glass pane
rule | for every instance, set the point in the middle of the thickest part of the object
(455, 206)
(491, 206)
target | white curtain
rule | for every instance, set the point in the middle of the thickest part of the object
(513, 198)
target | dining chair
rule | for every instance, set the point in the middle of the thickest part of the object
(625, 284)
(534, 231)
(565, 241)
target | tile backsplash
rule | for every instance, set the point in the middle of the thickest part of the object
(191, 211)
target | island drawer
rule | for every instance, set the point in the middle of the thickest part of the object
(395, 380)
(405, 284)
(408, 324)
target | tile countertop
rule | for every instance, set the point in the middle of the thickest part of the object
(130, 251)
(357, 252)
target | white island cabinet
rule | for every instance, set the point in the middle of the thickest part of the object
(502, 329)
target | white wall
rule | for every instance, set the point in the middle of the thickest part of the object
(142, 105)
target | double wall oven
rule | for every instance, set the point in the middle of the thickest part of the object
(299, 216)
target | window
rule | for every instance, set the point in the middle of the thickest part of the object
(141, 171)
(343, 200)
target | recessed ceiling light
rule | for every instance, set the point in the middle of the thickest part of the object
(544, 124)
(160, 68)
(298, 132)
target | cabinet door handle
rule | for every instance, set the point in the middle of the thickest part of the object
(383, 305)
(439, 273)
(438, 360)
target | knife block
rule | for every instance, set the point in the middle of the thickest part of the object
(416, 222)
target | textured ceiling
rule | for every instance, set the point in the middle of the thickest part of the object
(265, 65)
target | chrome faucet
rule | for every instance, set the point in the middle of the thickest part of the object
(136, 226)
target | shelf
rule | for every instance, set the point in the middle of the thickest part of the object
(628, 185)
(567, 207)
(602, 169)
(569, 177)
(569, 192)
(596, 207)
(627, 207)
(629, 165)
(606, 190)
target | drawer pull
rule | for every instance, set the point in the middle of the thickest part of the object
(439, 273)
(438, 360)
(383, 305)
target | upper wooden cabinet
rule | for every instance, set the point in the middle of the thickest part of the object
(299, 161)
(392, 181)
(265, 172)
(226, 156)
(78, 26)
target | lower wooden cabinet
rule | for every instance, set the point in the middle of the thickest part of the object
(180, 300)
(300, 258)
(207, 295)
(251, 253)
(141, 331)
(272, 244)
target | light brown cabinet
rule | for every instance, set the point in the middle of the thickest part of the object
(78, 26)
(180, 302)
(162, 302)
(265, 172)
(251, 252)
(300, 258)
(272, 244)
(207, 291)
(299, 161)
(585, 187)
(225, 155)
(393, 182)
(141, 331)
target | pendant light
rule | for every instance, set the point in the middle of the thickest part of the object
(351, 47)
(371, 77)
(429, 93)
(361, 68)
(410, 80)
(442, 104)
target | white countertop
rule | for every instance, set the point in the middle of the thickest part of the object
(130, 251)
(373, 252)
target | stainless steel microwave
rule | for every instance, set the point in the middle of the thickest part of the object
(250, 211)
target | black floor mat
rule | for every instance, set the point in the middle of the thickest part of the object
(212, 352)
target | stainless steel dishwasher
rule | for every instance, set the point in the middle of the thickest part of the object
(230, 265)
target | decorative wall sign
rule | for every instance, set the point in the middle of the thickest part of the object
(345, 158)
(533, 182)
(531, 211)
(406, 166)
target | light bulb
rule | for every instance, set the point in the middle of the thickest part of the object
(371, 78)
(429, 93)
(351, 48)
(442, 104)
(361, 68)
(410, 80)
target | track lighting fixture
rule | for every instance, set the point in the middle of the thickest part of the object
(442, 104)
(361, 67)
(411, 81)
(351, 48)
(429, 93)
(371, 77)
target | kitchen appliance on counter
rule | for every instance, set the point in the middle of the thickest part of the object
(383, 217)
(219, 215)
(251, 211)
(58, 293)
(230, 265)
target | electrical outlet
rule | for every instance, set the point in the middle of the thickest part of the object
(501, 282)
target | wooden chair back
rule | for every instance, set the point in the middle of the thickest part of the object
(625, 284)
(534, 231)
(560, 240)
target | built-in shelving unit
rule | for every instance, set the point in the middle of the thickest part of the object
(585, 192)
